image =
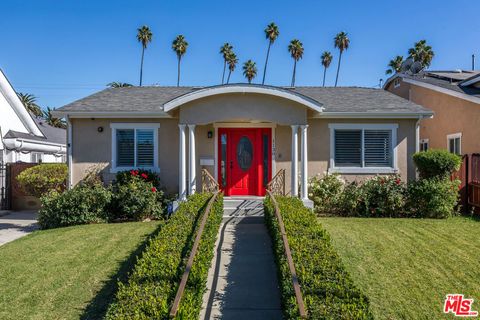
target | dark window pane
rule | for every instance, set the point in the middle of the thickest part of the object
(244, 153)
(145, 149)
(451, 145)
(378, 148)
(348, 149)
(125, 148)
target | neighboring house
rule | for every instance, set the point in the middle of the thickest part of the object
(24, 138)
(243, 134)
(454, 97)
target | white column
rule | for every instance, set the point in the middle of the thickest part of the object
(192, 173)
(294, 173)
(304, 151)
(182, 166)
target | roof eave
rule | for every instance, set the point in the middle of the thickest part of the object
(374, 115)
(108, 114)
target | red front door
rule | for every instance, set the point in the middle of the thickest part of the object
(244, 160)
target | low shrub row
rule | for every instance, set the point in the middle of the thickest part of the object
(43, 178)
(384, 196)
(134, 196)
(151, 287)
(327, 288)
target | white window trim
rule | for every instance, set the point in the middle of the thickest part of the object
(116, 126)
(454, 136)
(427, 141)
(363, 126)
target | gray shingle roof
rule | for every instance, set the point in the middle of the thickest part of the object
(52, 134)
(151, 99)
(444, 82)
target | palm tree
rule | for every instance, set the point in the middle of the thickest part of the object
(119, 85)
(271, 33)
(395, 65)
(232, 61)
(30, 102)
(341, 42)
(326, 60)
(422, 53)
(144, 35)
(296, 51)
(225, 51)
(250, 70)
(53, 121)
(179, 45)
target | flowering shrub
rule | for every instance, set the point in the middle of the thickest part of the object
(124, 177)
(325, 192)
(136, 196)
(382, 197)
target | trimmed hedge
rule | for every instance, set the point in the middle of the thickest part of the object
(43, 178)
(150, 289)
(436, 163)
(327, 288)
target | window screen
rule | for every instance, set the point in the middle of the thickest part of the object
(348, 148)
(378, 148)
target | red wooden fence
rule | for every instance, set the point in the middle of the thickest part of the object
(469, 175)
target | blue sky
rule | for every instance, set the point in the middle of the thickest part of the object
(64, 50)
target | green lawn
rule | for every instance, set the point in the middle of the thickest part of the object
(407, 266)
(67, 273)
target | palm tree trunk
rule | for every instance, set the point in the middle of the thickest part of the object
(338, 67)
(294, 71)
(228, 78)
(266, 62)
(324, 73)
(141, 66)
(178, 71)
(224, 67)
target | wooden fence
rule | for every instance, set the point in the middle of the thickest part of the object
(469, 176)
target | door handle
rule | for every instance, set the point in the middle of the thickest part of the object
(231, 164)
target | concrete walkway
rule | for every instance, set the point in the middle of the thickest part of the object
(16, 224)
(242, 281)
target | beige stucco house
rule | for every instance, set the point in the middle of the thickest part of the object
(454, 97)
(242, 134)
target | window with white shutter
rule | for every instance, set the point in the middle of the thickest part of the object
(363, 148)
(134, 146)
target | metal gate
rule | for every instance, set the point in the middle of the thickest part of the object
(4, 187)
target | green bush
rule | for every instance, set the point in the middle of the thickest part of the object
(80, 205)
(43, 178)
(436, 163)
(327, 288)
(433, 198)
(136, 198)
(325, 192)
(151, 288)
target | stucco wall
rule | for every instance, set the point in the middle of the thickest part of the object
(243, 107)
(452, 115)
(91, 148)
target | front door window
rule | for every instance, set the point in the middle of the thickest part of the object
(244, 153)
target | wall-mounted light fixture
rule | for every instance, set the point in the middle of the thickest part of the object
(210, 134)
(100, 129)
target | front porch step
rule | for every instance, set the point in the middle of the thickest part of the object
(242, 207)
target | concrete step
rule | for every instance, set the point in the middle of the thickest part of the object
(233, 212)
